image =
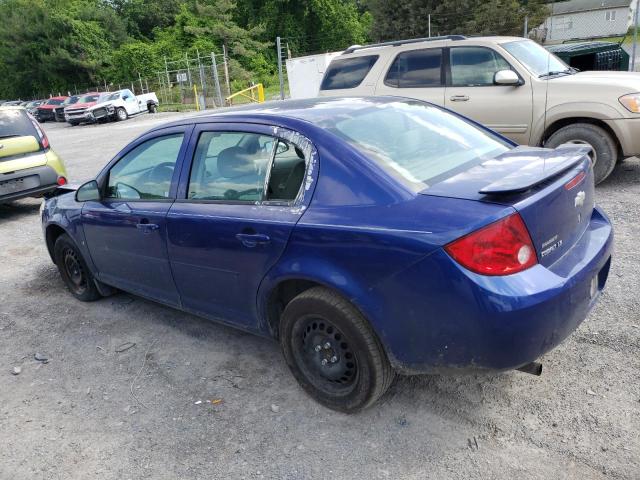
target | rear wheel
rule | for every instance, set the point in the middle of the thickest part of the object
(153, 108)
(121, 114)
(73, 270)
(332, 351)
(604, 149)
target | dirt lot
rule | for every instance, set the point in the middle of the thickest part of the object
(76, 417)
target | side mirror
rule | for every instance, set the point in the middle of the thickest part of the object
(87, 192)
(506, 77)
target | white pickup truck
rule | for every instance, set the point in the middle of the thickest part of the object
(123, 104)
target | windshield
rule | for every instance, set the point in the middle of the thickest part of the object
(55, 101)
(537, 59)
(115, 96)
(417, 143)
(89, 98)
(15, 123)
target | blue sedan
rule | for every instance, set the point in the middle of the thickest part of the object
(368, 236)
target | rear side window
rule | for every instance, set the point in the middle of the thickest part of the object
(16, 123)
(416, 68)
(475, 66)
(347, 72)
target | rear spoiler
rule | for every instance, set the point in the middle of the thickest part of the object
(545, 164)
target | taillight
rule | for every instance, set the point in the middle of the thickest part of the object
(62, 181)
(501, 248)
(44, 141)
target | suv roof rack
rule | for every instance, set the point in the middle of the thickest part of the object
(397, 43)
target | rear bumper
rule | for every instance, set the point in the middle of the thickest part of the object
(473, 322)
(30, 182)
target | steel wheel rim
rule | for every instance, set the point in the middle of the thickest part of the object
(325, 356)
(74, 270)
(122, 115)
(592, 155)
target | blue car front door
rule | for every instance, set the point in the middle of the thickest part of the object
(241, 199)
(126, 230)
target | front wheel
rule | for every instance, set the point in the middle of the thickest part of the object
(604, 149)
(73, 270)
(121, 114)
(333, 352)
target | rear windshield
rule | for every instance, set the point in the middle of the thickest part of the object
(54, 101)
(347, 72)
(417, 143)
(16, 123)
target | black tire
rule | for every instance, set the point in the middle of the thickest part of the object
(73, 124)
(121, 114)
(604, 146)
(73, 270)
(355, 372)
(152, 108)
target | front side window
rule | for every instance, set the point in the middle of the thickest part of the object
(475, 66)
(416, 68)
(347, 72)
(233, 166)
(145, 172)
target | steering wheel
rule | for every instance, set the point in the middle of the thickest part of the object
(160, 172)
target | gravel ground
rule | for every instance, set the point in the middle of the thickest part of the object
(76, 416)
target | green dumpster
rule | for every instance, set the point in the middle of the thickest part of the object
(592, 55)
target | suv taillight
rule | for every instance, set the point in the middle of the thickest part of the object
(501, 248)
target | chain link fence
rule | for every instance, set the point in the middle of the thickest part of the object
(193, 82)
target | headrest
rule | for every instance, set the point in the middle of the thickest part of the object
(235, 162)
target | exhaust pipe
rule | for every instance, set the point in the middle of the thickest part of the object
(534, 368)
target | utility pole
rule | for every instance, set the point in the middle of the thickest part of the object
(526, 26)
(279, 49)
(166, 70)
(226, 69)
(429, 21)
(141, 86)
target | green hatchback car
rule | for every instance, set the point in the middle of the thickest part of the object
(28, 165)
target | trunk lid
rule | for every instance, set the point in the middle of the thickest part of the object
(553, 190)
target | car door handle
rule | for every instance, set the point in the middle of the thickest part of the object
(147, 227)
(253, 239)
(459, 98)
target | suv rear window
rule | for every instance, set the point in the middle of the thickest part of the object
(16, 123)
(416, 68)
(347, 72)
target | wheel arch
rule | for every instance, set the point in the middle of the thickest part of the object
(52, 233)
(563, 122)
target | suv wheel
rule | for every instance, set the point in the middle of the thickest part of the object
(605, 150)
(121, 113)
(73, 270)
(332, 351)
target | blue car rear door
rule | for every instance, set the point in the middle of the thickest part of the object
(237, 204)
(126, 230)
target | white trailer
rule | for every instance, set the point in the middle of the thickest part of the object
(305, 74)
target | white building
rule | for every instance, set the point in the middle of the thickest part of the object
(586, 19)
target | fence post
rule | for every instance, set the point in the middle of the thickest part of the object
(635, 38)
(226, 69)
(202, 81)
(526, 26)
(216, 79)
(279, 49)
(429, 21)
